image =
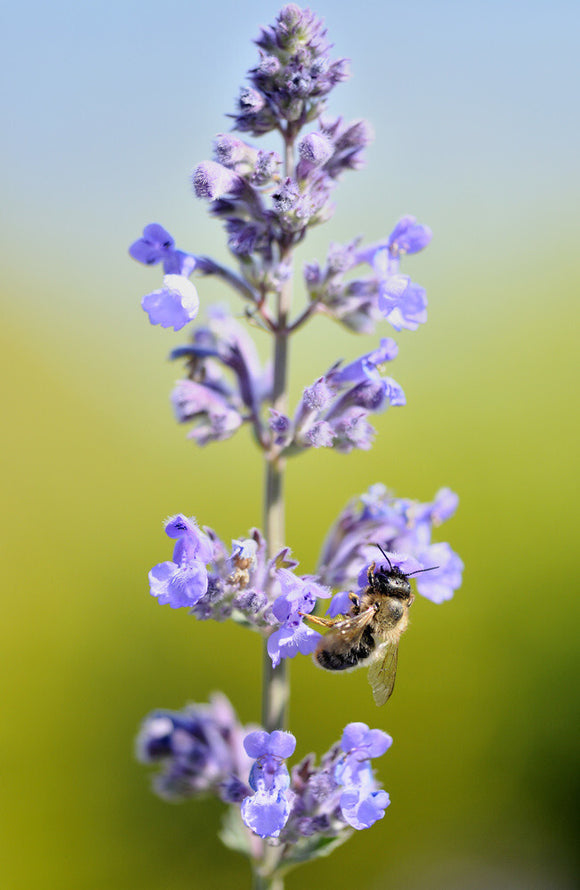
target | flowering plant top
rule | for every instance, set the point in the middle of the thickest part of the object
(267, 202)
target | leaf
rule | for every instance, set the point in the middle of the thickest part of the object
(309, 848)
(234, 833)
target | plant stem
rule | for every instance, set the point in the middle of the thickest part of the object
(275, 683)
(267, 882)
(275, 691)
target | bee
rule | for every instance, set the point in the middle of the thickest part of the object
(369, 635)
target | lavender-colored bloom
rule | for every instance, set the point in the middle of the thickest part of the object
(316, 149)
(215, 416)
(267, 810)
(362, 743)
(176, 304)
(157, 245)
(403, 528)
(340, 604)
(339, 794)
(293, 75)
(362, 803)
(441, 584)
(365, 368)
(182, 582)
(299, 597)
(360, 303)
(333, 411)
(208, 398)
(212, 180)
(199, 750)
(408, 236)
(402, 302)
(362, 806)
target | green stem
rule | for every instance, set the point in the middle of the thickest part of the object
(275, 692)
(275, 687)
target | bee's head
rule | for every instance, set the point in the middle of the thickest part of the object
(392, 579)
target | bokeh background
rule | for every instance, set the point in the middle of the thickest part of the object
(106, 109)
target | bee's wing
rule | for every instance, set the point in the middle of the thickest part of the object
(352, 627)
(382, 673)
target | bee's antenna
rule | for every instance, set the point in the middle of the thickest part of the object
(417, 571)
(386, 557)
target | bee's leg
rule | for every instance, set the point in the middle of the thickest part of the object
(355, 602)
(371, 574)
(325, 622)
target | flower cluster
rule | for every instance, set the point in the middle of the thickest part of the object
(387, 294)
(265, 594)
(333, 411)
(327, 800)
(293, 75)
(204, 749)
(225, 385)
(199, 749)
(401, 526)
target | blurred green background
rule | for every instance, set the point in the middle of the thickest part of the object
(107, 107)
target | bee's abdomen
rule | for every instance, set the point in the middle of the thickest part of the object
(337, 658)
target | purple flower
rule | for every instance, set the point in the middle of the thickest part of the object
(293, 75)
(217, 406)
(362, 743)
(403, 528)
(212, 180)
(362, 803)
(298, 597)
(316, 149)
(408, 236)
(441, 584)
(157, 245)
(199, 749)
(333, 411)
(267, 810)
(403, 303)
(362, 806)
(365, 368)
(182, 582)
(174, 305)
(216, 418)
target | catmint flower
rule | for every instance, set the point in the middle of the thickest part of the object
(156, 246)
(216, 419)
(176, 304)
(267, 810)
(316, 149)
(199, 750)
(360, 303)
(341, 793)
(183, 581)
(299, 596)
(293, 76)
(402, 302)
(408, 236)
(361, 803)
(208, 398)
(212, 180)
(333, 411)
(404, 529)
